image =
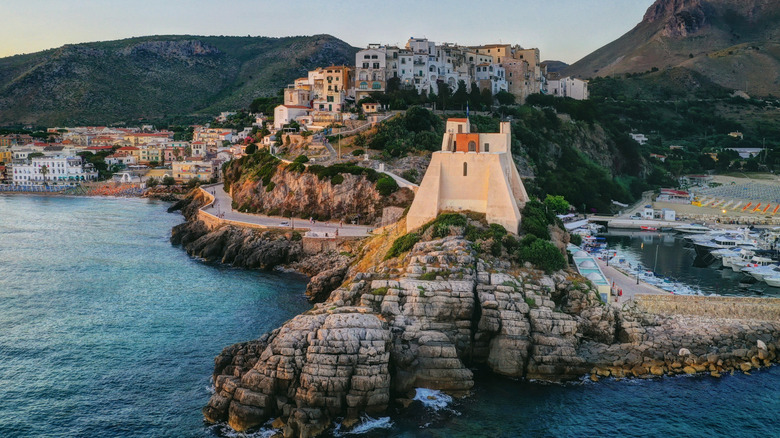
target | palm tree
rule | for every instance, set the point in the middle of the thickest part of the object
(44, 171)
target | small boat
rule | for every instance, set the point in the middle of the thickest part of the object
(646, 228)
(773, 281)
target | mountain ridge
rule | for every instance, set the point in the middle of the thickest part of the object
(156, 77)
(729, 42)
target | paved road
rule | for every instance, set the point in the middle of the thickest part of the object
(222, 205)
(628, 284)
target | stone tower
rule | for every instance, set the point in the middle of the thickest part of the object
(473, 171)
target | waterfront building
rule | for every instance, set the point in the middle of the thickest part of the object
(472, 171)
(191, 168)
(56, 169)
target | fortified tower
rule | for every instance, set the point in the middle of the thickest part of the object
(473, 171)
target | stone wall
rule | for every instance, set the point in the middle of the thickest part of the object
(762, 309)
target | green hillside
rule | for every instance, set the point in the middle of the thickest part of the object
(155, 78)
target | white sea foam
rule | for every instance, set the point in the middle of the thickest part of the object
(366, 424)
(432, 398)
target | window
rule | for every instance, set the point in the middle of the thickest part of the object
(376, 86)
(487, 147)
(376, 65)
(472, 146)
(465, 169)
(363, 85)
(374, 57)
(366, 56)
(365, 65)
(403, 60)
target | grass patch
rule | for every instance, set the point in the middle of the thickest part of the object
(402, 245)
(379, 291)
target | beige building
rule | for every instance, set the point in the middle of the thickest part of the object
(473, 171)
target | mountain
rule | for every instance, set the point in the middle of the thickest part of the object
(554, 66)
(733, 43)
(156, 77)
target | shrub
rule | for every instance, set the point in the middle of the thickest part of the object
(402, 244)
(168, 180)
(296, 236)
(429, 276)
(358, 152)
(386, 186)
(556, 204)
(410, 175)
(542, 254)
(151, 182)
(270, 186)
(536, 218)
(337, 179)
(379, 291)
(531, 302)
(301, 159)
(250, 149)
(576, 239)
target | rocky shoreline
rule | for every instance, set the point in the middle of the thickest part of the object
(427, 318)
(256, 249)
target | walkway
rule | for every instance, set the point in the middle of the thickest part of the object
(223, 206)
(628, 284)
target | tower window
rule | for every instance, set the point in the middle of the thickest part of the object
(487, 147)
(472, 146)
(465, 168)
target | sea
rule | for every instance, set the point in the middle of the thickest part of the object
(108, 330)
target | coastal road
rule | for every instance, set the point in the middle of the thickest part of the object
(223, 205)
(628, 284)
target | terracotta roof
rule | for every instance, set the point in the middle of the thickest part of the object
(296, 106)
(457, 120)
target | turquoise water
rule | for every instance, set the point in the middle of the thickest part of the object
(109, 331)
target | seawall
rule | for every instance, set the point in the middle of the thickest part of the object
(749, 308)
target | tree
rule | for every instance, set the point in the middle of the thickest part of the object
(557, 204)
(461, 96)
(44, 171)
(251, 149)
(151, 182)
(505, 98)
(445, 94)
(487, 97)
(475, 99)
(168, 181)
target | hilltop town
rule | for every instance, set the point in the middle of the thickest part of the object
(330, 100)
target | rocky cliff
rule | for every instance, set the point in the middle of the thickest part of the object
(262, 184)
(257, 249)
(728, 42)
(426, 318)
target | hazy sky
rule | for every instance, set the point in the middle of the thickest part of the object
(565, 30)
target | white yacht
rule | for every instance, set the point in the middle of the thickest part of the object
(692, 229)
(742, 258)
(773, 281)
(754, 262)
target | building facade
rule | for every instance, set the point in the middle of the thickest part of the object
(48, 170)
(475, 172)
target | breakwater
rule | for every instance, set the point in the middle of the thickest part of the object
(761, 309)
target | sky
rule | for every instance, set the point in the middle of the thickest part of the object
(564, 30)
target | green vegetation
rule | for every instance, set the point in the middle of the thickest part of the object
(540, 253)
(418, 129)
(429, 276)
(536, 220)
(556, 204)
(251, 149)
(402, 245)
(576, 239)
(379, 291)
(531, 302)
(386, 186)
(158, 79)
(260, 166)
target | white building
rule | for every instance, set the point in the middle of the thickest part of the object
(568, 87)
(639, 138)
(284, 114)
(58, 169)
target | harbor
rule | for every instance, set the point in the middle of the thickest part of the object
(731, 262)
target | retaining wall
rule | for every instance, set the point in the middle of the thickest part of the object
(764, 309)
